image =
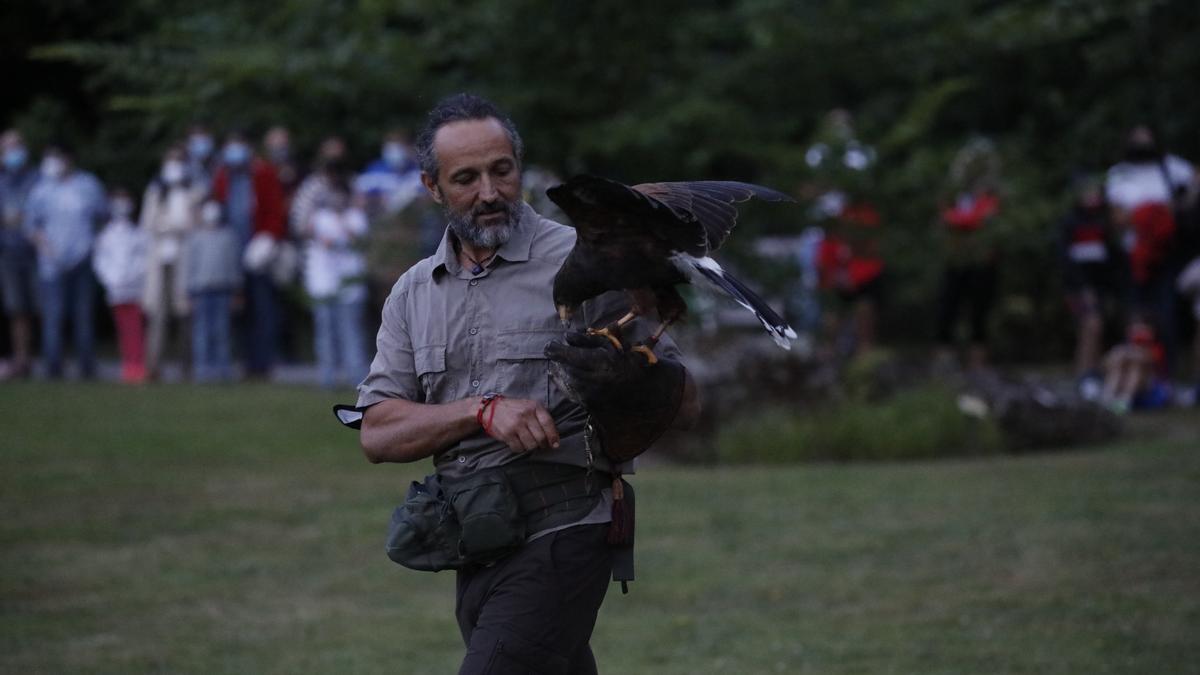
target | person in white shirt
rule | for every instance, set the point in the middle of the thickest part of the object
(1147, 191)
(170, 210)
(335, 280)
(120, 264)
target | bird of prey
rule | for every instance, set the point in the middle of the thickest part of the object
(648, 238)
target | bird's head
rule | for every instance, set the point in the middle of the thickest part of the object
(584, 192)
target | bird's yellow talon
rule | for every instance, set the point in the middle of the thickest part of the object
(648, 352)
(607, 332)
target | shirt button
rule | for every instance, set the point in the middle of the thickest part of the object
(473, 331)
(475, 383)
(462, 459)
(474, 282)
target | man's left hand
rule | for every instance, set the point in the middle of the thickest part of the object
(597, 369)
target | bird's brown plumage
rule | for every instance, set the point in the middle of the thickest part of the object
(648, 236)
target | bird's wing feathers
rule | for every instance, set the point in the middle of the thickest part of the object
(709, 203)
(707, 272)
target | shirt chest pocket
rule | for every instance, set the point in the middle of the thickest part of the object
(521, 361)
(523, 344)
(430, 364)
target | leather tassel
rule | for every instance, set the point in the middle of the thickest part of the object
(620, 530)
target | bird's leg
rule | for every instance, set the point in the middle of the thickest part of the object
(613, 330)
(647, 348)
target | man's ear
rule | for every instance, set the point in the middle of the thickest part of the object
(431, 185)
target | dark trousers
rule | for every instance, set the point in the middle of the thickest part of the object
(533, 612)
(70, 292)
(261, 324)
(970, 285)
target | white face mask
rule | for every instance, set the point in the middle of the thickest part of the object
(210, 214)
(394, 154)
(53, 167)
(173, 171)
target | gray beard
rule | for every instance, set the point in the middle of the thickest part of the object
(464, 227)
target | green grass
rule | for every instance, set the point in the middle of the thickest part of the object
(220, 530)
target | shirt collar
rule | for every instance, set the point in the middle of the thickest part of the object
(516, 249)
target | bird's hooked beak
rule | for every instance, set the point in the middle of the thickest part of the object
(564, 315)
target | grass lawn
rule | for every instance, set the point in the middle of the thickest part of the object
(238, 530)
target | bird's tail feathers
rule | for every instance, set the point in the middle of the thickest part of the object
(710, 271)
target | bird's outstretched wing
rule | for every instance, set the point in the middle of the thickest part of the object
(709, 204)
(690, 216)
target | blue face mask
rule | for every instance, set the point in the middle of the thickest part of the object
(14, 158)
(395, 155)
(199, 147)
(236, 154)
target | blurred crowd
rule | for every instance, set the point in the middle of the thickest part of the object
(218, 262)
(203, 260)
(235, 242)
(1128, 252)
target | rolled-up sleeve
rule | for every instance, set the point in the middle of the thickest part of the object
(393, 372)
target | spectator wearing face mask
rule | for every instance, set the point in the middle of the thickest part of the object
(170, 210)
(251, 196)
(331, 173)
(393, 180)
(277, 146)
(214, 277)
(18, 259)
(199, 154)
(120, 264)
(64, 209)
(334, 277)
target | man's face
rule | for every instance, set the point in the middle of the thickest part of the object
(478, 182)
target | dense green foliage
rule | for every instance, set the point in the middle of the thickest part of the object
(733, 88)
(922, 422)
(220, 544)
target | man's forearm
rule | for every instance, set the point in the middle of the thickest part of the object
(396, 430)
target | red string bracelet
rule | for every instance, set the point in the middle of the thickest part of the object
(484, 405)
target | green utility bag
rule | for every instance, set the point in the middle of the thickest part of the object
(449, 523)
(424, 533)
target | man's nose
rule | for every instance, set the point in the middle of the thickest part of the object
(487, 190)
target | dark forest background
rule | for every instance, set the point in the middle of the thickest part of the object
(652, 91)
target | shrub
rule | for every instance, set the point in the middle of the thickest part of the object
(922, 422)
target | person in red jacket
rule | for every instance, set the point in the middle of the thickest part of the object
(849, 263)
(969, 275)
(249, 189)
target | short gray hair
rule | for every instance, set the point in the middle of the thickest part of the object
(458, 108)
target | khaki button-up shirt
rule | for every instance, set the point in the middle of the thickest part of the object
(448, 334)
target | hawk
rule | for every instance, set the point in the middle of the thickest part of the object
(649, 238)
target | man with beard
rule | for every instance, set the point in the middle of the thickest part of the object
(460, 376)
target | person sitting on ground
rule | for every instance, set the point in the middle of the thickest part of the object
(1134, 370)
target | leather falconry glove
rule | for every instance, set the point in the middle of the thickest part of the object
(631, 402)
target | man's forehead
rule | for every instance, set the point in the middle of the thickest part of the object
(471, 141)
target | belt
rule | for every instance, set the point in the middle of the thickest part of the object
(551, 495)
